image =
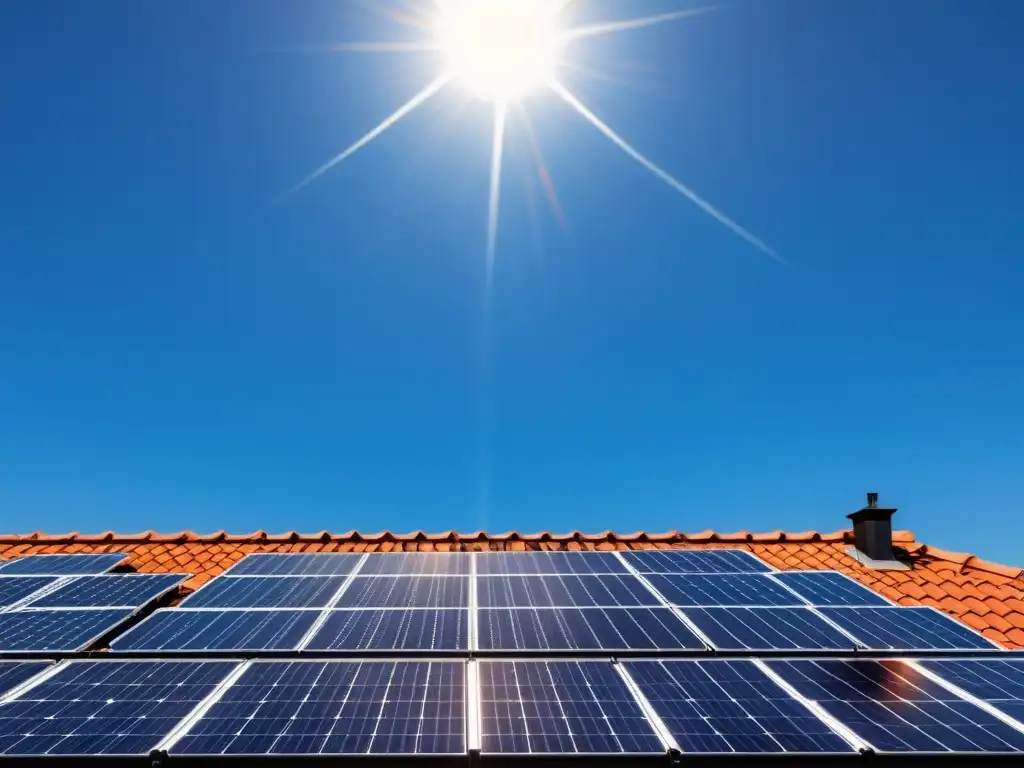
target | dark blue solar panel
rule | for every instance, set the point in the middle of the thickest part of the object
(998, 681)
(180, 630)
(392, 630)
(14, 673)
(730, 706)
(61, 565)
(47, 630)
(765, 629)
(406, 592)
(732, 589)
(695, 561)
(111, 591)
(296, 564)
(898, 628)
(106, 707)
(531, 563)
(613, 629)
(416, 564)
(266, 592)
(829, 588)
(336, 708)
(15, 589)
(560, 707)
(564, 591)
(894, 708)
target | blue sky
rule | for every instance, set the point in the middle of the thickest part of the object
(178, 351)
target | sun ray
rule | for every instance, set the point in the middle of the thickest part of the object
(543, 174)
(611, 27)
(389, 121)
(494, 198)
(677, 185)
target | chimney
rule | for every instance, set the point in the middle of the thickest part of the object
(872, 531)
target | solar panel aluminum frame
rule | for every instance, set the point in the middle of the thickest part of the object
(60, 653)
(68, 580)
(864, 651)
(846, 576)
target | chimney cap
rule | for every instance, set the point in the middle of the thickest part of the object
(872, 511)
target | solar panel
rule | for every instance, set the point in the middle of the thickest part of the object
(829, 588)
(416, 564)
(536, 563)
(999, 682)
(563, 591)
(50, 630)
(336, 708)
(178, 629)
(295, 564)
(14, 673)
(732, 589)
(393, 630)
(406, 592)
(730, 707)
(560, 707)
(611, 629)
(894, 708)
(106, 707)
(61, 565)
(266, 592)
(906, 629)
(695, 561)
(16, 588)
(111, 591)
(767, 629)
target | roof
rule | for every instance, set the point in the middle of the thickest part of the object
(984, 595)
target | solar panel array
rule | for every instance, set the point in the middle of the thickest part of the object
(507, 654)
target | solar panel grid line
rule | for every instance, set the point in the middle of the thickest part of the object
(774, 580)
(856, 583)
(42, 590)
(77, 564)
(20, 690)
(862, 596)
(48, 624)
(942, 622)
(966, 695)
(186, 724)
(726, 590)
(853, 639)
(397, 630)
(671, 745)
(473, 627)
(325, 613)
(260, 564)
(183, 630)
(768, 630)
(473, 741)
(135, 590)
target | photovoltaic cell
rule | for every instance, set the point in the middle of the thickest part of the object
(296, 564)
(562, 591)
(55, 630)
(336, 708)
(894, 708)
(61, 565)
(560, 707)
(177, 629)
(406, 592)
(899, 628)
(537, 563)
(730, 707)
(830, 588)
(266, 592)
(613, 629)
(111, 591)
(15, 589)
(695, 561)
(14, 673)
(1000, 682)
(393, 630)
(416, 564)
(106, 707)
(734, 589)
(767, 629)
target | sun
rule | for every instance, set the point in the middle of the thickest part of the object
(500, 50)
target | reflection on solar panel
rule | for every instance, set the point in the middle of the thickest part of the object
(14, 673)
(767, 629)
(106, 707)
(61, 565)
(894, 708)
(613, 629)
(531, 707)
(416, 563)
(526, 563)
(723, 590)
(829, 588)
(393, 630)
(899, 628)
(564, 591)
(110, 591)
(730, 706)
(266, 592)
(999, 682)
(406, 592)
(15, 589)
(177, 629)
(296, 564)
(695, 561)
(336, 707)
(46, 630)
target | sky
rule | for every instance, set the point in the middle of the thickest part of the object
(180, 349)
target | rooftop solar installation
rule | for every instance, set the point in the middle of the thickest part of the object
(536, 563)
(336, 708)
(61, 565)
(829, 588)
(295, 564)
(106, 707)
(767, 629)
(14, 589)
(894, 708)
(416, 564)
(734, 589)
(583, 629)
(730, 707)
(393, 630)
(406, 592)
(56, 630)
(695, 561)
(561, 707)
(563, 591)
(176, 629)
(266, 592)
(120, 590)
(996, 681)
(907, 629)
(14, 673)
